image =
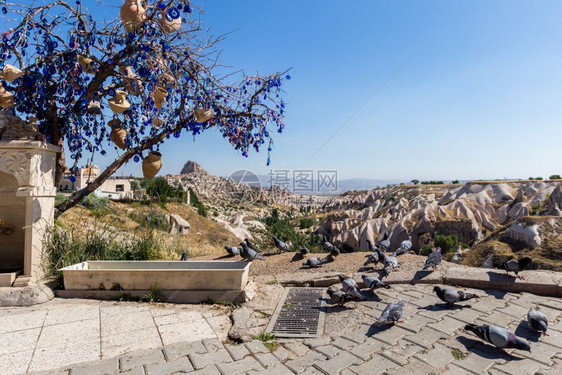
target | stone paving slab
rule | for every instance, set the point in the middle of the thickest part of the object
(431, 340)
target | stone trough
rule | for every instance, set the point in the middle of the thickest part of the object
(179, 282)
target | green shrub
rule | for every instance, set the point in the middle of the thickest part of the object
(426, 250)
(555, 177)
(306, 222)
(159, 188)
(285, 230)
(448, 243)
(156, 220)
(59, 198)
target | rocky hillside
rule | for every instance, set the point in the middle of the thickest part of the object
(469, 211)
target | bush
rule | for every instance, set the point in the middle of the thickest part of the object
(99, 206)
(555, 177)
(306, 222)
(285, 230)
(448, 243)
(59, 198)
(195, 202)
(426, 250)
(156, 220)
(159, 188)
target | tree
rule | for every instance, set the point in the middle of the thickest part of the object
(415, 182)
(156, 68)
(555, 177)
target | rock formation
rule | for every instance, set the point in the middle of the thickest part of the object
(192, 167)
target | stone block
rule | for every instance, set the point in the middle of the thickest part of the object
(438, 357)
(239, 367)
(141, 357)
(375, 366)
(339, 362)
(106, 366)
(180, 349)
(181, 364)
(237, 352)
(201, 360)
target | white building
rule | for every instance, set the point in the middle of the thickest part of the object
(114, 188)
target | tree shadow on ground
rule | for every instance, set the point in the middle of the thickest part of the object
(525, 330)
(444, 306)
(485, 350)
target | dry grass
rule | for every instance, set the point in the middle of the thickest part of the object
(205, 237)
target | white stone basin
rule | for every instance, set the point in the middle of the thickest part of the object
(166, 275)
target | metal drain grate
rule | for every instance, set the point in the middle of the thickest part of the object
(299, 314)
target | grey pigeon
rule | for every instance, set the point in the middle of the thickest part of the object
(390, 263)
(373, 283)
(515, 265)
(450, 296)
(251, 245)
(339, 297)
(232, 250)
(350, 287)
(374, 257)
(500, 337)
(404, 246)
(314, 262)
(304, 250)
(391, 314)
(538, 321)
(333, 250)
(434, 259)
(248, 253)
(384, 245)
(183, 255)
(282, 246)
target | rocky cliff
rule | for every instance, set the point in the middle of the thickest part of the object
(469, 211)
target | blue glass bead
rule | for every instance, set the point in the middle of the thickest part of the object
(136, 159)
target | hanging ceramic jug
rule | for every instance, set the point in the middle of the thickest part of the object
(203, 115)
(157, 122)
(94, 107)
(159, 97)
(6, 98)
(10, 73)
(170, 20)
(132, 14)
(119, 103)
(166, 79)
(151, 164)
(118, 134)
(133, 83)
(86, 64)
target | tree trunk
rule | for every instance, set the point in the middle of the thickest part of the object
(79, 195)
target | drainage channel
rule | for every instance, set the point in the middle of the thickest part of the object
(300, 313)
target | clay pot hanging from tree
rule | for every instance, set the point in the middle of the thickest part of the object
(86, 64)
(6, 98)
(151, 164)
(132, 14)
(118, 134)
(170, 20)
(202, 114)
(119, 103)
(133, 83)
(157, 122)
(10, 73)
(159, 96)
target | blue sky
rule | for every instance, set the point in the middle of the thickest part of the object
(481, 96)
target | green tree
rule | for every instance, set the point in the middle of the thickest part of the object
(415, 182)
(555, 177)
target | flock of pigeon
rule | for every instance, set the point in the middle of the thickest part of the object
(392, 314)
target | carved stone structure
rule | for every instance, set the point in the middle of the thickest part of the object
(27, 194)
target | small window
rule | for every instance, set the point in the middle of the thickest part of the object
(119, 187)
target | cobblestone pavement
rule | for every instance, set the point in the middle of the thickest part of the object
(431, 340)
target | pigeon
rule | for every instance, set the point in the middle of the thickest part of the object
(251, 245)
(373, 283)
(384, 245)
(498, 336)
(304, 250)
(404, 246)
(248, 253)
(391, 314)
(450, 296)
(183, 255)
(232, 250)
(433, 260)
(538, 320)
(282, 246)
(339, 297)
(374, 257)
(334, 251)
(517, 265)
(314, 262)
(350, 287)
(390, 263)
